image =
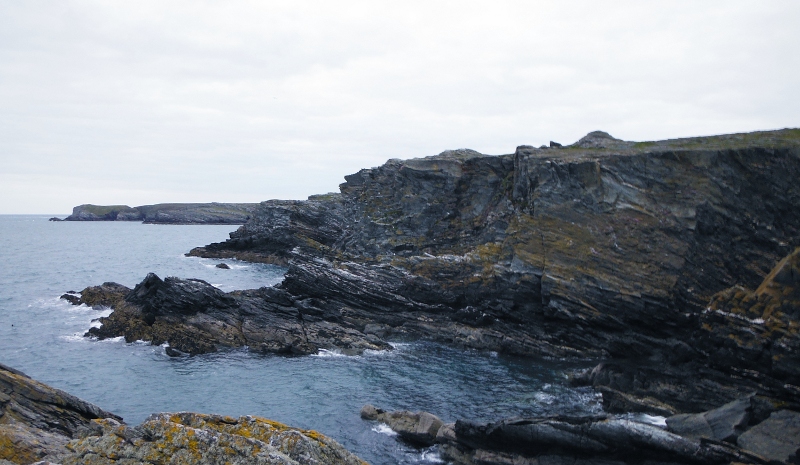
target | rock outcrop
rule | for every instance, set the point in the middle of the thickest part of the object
(194, 317)
(191, 438)
(40, 423)
(603, 249)
(598, 439)
(166, 213)
(36, 420)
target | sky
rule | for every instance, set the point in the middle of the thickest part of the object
(197, 101)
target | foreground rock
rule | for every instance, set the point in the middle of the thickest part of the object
(191, 438)
(576, 440)
(166, 213)
(38, 422)
(194, 317)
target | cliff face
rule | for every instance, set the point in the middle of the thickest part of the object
(611, 246)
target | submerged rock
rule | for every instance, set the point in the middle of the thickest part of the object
(224, 266)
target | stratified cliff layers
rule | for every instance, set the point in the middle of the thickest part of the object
(602, 249)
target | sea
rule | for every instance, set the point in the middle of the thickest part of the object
(43, 336)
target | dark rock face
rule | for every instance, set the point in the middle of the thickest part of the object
(776, 438)
(725, 423)
(36, 420)
(563, 440)
(167, 213)
(194, 317)
(604, 248)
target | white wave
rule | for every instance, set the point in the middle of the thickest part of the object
(383, 428)
(373, 352)
(96, 324)
(113, 339)
(325, 353)
(655, 420)
(73, 338)
(431, 456)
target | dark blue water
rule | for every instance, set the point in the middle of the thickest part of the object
(42, 336)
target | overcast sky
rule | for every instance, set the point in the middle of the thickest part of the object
(168, 101)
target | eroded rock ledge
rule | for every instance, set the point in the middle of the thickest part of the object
(722, 436)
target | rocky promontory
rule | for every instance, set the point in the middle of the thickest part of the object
(640, 254)
(166, 213)
(40, 423)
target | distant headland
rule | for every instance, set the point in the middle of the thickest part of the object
(166, 213)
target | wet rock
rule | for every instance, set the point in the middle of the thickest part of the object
(777, 437)
(194, 317)
(223, 266)
(582, 440)
(107, 294)
(725, 423)
(419, 428)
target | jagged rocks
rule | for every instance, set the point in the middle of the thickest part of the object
(194, 317)
(574, 440)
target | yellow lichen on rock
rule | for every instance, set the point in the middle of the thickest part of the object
(190, 438)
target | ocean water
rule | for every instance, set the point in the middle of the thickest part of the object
(41, 335)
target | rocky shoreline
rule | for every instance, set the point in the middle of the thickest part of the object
(642, 255)
(41, 424)
(165, 213)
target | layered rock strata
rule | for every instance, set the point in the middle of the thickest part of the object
(602, 249)
(166, 213)
(36, 420)
(40, 423)
(193, 317)
(600, 439)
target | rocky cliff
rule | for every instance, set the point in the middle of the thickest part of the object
(166, 213)
(602, 249)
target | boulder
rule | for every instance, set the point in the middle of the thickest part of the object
(776, 438)
(416, 427)
(223, 266)
(725, 423)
